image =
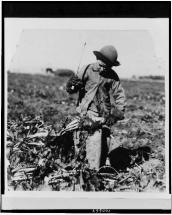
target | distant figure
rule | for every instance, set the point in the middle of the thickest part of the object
(134, 77)
(60, 72)
(102, 99)
(49, 70)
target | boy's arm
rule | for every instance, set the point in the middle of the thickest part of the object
(118, 96)
(119, 102)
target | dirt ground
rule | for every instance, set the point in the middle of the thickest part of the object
(39, 104)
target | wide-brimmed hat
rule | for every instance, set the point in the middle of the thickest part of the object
(108, 54)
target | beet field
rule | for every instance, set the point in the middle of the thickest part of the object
(38, 157)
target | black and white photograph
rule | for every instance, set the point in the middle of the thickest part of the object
(87, 106)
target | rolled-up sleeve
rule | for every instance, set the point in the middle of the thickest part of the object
(118, 96)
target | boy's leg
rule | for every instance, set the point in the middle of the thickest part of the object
(104, 146)
(76, 141)
(93, 149)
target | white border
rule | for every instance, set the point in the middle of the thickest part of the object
(12, 203)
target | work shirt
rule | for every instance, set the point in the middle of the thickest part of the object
(102, 91)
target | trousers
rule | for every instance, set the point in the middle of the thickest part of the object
(98, 144)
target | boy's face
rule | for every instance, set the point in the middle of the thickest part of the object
(103, 67)
(101, 64)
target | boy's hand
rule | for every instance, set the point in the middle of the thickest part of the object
(74, 85)
(115, 116)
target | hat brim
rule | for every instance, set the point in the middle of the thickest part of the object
(100, 56)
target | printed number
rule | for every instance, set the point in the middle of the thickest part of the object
(101, 210)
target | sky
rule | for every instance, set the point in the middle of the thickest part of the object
(32, 45)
